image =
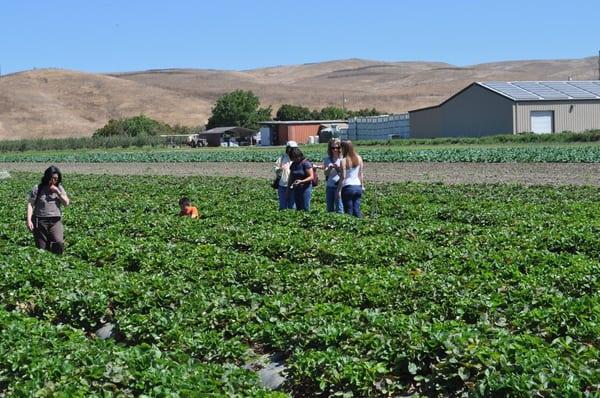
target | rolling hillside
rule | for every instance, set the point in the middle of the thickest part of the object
(61, 103)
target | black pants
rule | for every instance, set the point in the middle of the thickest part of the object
(49, 234)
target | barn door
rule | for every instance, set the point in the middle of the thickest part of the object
(542, 122)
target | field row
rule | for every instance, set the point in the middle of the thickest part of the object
(476, 290)
(589, 153)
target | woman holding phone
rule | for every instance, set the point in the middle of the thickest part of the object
(300, 179)
(44, 216)
(332, 164)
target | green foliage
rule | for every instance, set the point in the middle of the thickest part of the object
(508, 154)
(293, 112)
(238, 108)
(474, 290)
(133, 127)
(564, 137)
(333, 113)
(365, 112)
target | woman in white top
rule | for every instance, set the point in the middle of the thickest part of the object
(282, 171)
(332, 165)
(351, 184)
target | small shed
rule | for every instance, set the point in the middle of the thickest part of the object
(488, 108)
(279, 132)
(229, 135)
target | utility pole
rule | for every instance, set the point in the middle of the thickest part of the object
(598, 64)
(343, 101)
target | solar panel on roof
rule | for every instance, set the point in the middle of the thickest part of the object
(541, 90)
(569, 89)
(512, 91)
(591, 87)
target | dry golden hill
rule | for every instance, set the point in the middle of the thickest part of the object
(59, 103)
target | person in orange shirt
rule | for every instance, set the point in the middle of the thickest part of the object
(187, 209)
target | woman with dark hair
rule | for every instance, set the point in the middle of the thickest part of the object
(300, 180)
(43, 211)
(351, 183)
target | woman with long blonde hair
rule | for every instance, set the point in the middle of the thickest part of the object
(351, 184)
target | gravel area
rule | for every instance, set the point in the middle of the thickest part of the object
(448, 173)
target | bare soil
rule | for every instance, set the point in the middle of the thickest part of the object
(556, 174)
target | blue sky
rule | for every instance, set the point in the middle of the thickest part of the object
(114, 36)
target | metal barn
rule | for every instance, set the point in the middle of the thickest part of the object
(219, 136)
(489, 108)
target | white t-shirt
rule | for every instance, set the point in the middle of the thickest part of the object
(282, 168)
(352, 177)
(334, 177)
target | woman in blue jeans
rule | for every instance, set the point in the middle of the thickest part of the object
(351, 184)
(300, 181)
(282, 171)
(331, 166)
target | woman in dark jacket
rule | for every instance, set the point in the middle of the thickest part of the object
(44, 213)
(300, 180)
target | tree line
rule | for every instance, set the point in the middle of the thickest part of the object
(237, 108)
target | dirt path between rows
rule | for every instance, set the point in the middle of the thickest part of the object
(450, 173)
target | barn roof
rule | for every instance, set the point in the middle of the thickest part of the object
(545, 90)
(567, 90)
(291, 122)
(232, 129)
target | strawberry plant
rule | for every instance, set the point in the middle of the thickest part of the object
(472, 290)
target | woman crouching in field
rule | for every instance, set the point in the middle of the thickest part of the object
(44, 213)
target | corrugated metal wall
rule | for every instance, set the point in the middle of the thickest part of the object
(377, 127)
(576, 116)
(300, 132)
(282, 134)
(425, 123)
(475, 111)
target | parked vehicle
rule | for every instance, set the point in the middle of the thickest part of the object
(194, 141)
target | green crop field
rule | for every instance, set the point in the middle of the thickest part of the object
(472, 290)
(496, 153)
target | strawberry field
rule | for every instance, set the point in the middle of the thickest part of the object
(469, 290)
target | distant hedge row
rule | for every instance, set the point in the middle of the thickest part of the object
(53, 144)
(117, 141)
(565, 136)
(136, 131)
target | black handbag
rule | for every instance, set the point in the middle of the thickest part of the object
(275, 183)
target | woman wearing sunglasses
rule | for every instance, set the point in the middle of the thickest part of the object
(331, 166)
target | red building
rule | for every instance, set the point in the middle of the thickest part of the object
(278, 133)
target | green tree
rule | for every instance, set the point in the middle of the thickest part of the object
(238, 108)
(293, 112)
(333, 113)
(132, 127)
(365, 112)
